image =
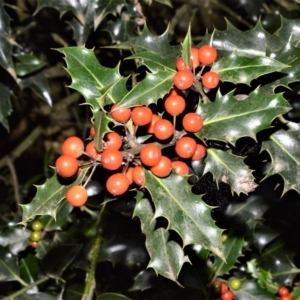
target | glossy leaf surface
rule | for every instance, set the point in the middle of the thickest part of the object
(186, 213)
(166, 257)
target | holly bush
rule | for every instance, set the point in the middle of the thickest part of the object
(177, 177)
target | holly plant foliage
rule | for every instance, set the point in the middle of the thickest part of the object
(192, 142)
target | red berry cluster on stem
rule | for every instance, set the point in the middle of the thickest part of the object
(124, 155)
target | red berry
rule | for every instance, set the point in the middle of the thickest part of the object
(185, 147)
(192, 122)
(138, 175)
(72, 146)
(207, 55)
(200, 152)
(163, 129)
(128, 173)
(180, 167)
(92, 131)
(183, 79)
(210, 80)
(111, 159)
(121, 115)
(163, 168)
(180, 64)
(150, 155)
(224, 288)
(113, 141)
(154, 119)
(227, 295)
(117, 184)
(283, 290)
(175, 105)
(141, 115)
(66, 166)
(77, 195)
(195, 58)
(286, 297)
(91, 150)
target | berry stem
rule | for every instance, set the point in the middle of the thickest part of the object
(95, 165)
(199, 88)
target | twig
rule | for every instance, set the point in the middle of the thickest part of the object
(90, 280)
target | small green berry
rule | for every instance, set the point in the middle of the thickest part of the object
(37, 225)
(235, 283)
(35, 236)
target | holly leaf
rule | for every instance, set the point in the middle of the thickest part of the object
(15, 238)
(242, 69)
(5, 105)
(250, 290)
(186, 213)
(291, 56)
(277, 258)
(6, 42)
(295, 294)
(165, 2)
(186, 48)
(51, 224)
(166, 257)
(54, 267)
(230, 169)
(263, 277)
(48, 197)
(148, 91)
(121, 29)
(9, 268)
(285, 155)
(27, 64)
(39, 84)
(158, 44)
(240, 118)
(249, 43)
(232, 251)
(88, 75)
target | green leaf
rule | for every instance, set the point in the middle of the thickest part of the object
(230, 169)
(112, 296)
(154, 62)
(51, 224)
(232, 251)
(9, 269)
(147, 41)
(148, 91)
(186, 213)
(48, 197)
(228, 119)
(243, 69)
(39, 84)
(16, 238)
(289, 55)
(29, 268)
(27, 63)
(101, 122)
(54, 267)
(6, 42)
(277, 258)
(295, 294)
(88, 76)
(39, 296)
(165, 2)
(186, 48)
(166, 257)
(5, 105)
(263, 277)
(283, 148)
(249, 43)
(250, 290)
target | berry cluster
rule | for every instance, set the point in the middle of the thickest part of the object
(36, 233)
(123, 154)
(221, 288)
(185, 78)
